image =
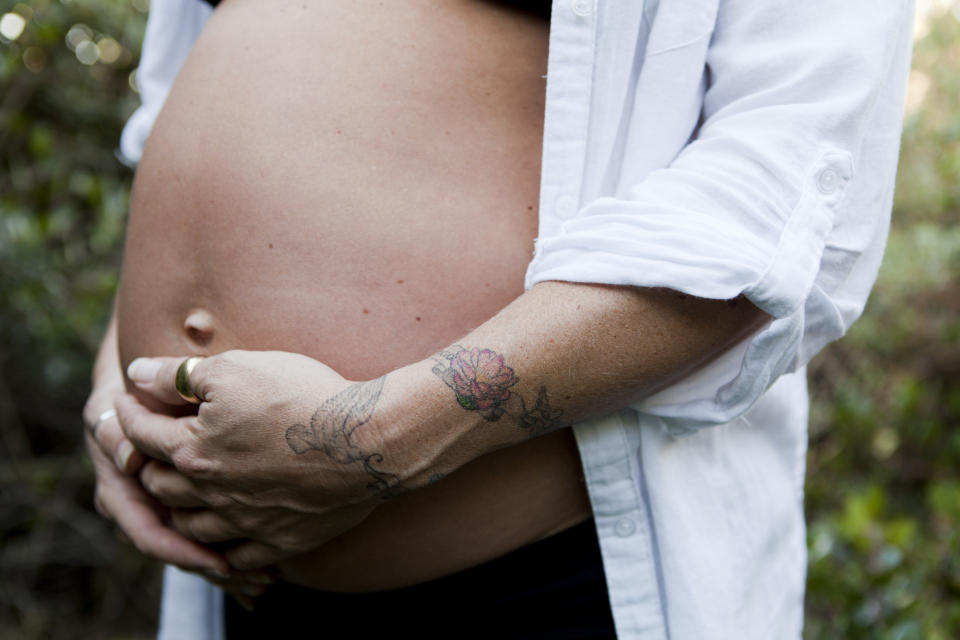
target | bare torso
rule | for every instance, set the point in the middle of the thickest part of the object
(357, 182)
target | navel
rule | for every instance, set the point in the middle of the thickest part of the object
(199, 326)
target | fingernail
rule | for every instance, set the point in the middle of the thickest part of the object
(124, 451)
(220, 574)
(143, 370)
(259, 578)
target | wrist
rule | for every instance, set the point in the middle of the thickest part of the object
(425, 430)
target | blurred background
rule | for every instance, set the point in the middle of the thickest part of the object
(883, 482)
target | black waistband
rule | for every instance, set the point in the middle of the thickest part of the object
(553, 589)
(541, 7)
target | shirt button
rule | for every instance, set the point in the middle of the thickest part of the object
(625, 527)
(828, 181)
(582, 8)
(566, 207)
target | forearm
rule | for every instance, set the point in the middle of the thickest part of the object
(106, 367)
(570, 352)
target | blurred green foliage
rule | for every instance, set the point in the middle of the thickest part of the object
(64, 94)
(883, 478)
(883, 490)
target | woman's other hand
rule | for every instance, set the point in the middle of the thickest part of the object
(121, 499)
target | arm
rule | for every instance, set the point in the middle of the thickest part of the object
(559, 354)
(289, 454)
(785, 120)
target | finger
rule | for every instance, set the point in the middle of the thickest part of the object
(157, 376)
(249, 583)
(121, 499)
(155, 434)
(203, 525)
(170, 487)
(111, 440)
(260, 577)
(244, 601)
(236, 588)
(253, 555)
(100, 419)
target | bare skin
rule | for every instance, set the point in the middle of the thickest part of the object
(230, 202)
(391, 188)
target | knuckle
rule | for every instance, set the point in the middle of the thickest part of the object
(288, 542)
(89, 413)
(190, 526)
(219, 501)
(215, 368)
(251, 556)
(191, 464)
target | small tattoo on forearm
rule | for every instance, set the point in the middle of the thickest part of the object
(332, 428)
(541, 417)
(483, 382)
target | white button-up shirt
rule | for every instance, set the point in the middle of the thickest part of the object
(719, 148)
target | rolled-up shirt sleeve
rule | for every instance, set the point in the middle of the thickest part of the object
(782, 194)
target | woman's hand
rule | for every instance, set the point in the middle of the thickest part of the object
(121, 499)
(282, 455)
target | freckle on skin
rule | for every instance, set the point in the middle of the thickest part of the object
(530, 208)
(270, 245)
(366, 311)
(418, 318)
(399, 281)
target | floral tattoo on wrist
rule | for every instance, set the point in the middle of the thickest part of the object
(482, 382)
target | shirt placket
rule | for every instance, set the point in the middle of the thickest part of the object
(569, 85)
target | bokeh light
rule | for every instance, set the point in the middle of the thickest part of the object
(35, 59)
(78, 34)
(12, 25)
(87, 52)
(110, 50)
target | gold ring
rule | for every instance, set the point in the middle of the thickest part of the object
(103, 417)
(182, 381)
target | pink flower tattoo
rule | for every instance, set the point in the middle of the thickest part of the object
(480, 379)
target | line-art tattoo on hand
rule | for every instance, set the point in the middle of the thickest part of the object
(332, 428)
(482, 382)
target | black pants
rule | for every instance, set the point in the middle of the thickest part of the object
(553, 589)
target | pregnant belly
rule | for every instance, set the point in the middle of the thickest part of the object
(355, 182)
